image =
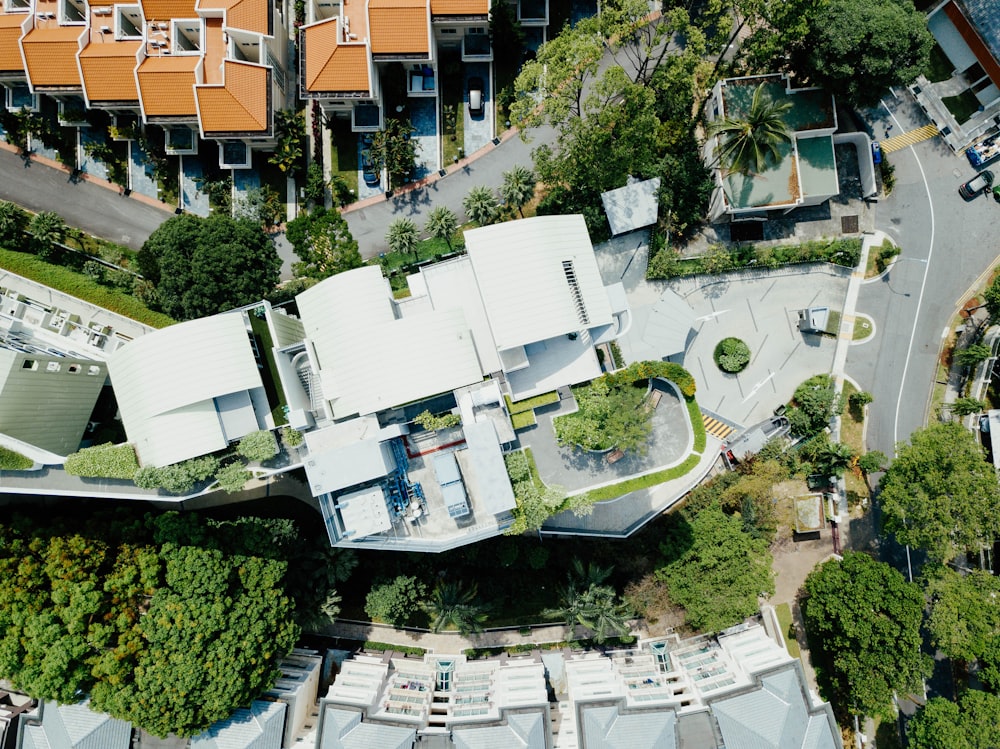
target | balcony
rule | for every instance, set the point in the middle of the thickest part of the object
(421, 82)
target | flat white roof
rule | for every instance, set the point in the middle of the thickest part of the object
(632, 206)
(369, 360)
(166, 383)
(528, 294)
(348, 465)
(364, 512)
(489, 481)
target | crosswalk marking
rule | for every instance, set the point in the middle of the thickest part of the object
(908, 139)
(715, 427)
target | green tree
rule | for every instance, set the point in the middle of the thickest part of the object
(964, 619)
(535, 504)
(323, 243)
(751, 142)
(290, 134)
(481, 206)
(395, 601)
(814, 404)
(607, 416)
(452, 605)
(939, 494)
(972, 723)
(518, 187)
(863, 622)
(859, 48)
(720, 574)
(972, 354)
(991, 298)
(966, 405)
(872, 461)
(316, 187)
(395, 150)
(403, 236)
(47, 229)
(827, 457)
(442, 224)
(232, 477)
(13, 223)
(202, 266)
(258, 446)
(594, 606)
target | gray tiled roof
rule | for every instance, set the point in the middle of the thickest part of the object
(985, 16)
(79, 727)
(522, 731)
(344, 729)
(260, 727)
(606, 728)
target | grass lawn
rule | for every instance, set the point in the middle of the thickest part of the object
(852, 434)
(962, 106)
(272, 383)
(531, 404)
(880, 257)
(344, 153)
(862, 328)
(784, 612)
(427, 249)
(940, 67)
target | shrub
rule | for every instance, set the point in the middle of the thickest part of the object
(258, 446)
(292, 437)
(431, 423)
(395, 601)
(103, 461)
(178, 478)
(233, 477)
(78, 285)
(647, 369)
(610, 414)
(668, 264)
(731, 355)
(814, 404)
(14, 461)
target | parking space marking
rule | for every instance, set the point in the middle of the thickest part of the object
(758, 386)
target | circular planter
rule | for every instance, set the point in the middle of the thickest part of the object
(731, 355)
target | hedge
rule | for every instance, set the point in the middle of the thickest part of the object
(630, 485)
(531, 404)
(667, 263)
(645, 370)
(177, 478)
(106, 461)
(11, 460)
(700, 436)
(258, 446)
(523, 420)
(78, 285)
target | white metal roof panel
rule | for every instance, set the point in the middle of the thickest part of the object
(519, 268)
(491, 490)
(347, 465)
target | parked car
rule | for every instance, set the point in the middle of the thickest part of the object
(368, 169)
(476, 96)
(980, 183)
(876, 152)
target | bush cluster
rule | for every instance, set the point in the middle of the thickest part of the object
(667, 263)
(431, 423)
(11, 460)
(731, 355)
(103, 461)
(178, 478)
(258, 446)
(646, 370)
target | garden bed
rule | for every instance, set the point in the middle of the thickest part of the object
(667, 263)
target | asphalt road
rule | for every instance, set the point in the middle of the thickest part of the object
(946, 244)
(95, 209)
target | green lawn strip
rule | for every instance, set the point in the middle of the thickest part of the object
(962, 106)
(634, 484)
(784, 612)
(78, 285)
(427, 249)
(11, 460)
(385, 646)
(940, 67)
(533, 467)
(344, 154)
(531, 404)
(700, 436)
(879, 257)
(833, 323)
(272, 385)
(523, 419)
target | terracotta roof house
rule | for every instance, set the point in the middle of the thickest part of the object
(346, 49)
(968, 32)
(212, 67)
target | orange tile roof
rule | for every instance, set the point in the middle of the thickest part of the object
(51, 55)
(399, 27)
(238, 106)
(10, 32)
(249, 15)
(109, 71)
(164, 10)
(460, 7)
(166, 85)
(332, 67)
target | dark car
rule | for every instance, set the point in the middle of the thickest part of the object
(980, 183)
(368, 169)
(476, 96)
(876, 152)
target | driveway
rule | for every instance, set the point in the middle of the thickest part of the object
(478, 129)
(91, 207)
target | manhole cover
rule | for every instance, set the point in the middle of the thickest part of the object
(849, 224)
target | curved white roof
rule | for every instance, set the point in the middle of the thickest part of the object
(166, 383)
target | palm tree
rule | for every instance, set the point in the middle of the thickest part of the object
(748, 143)
(595, 607)
(481, 205)
(47, 229)
(13, 222)
(402, 236)
(452, 605)
(585, 576)
(518, 187)
(441, 224)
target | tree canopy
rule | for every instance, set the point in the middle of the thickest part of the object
(965, 612)
(323, 243)
(717, 570)
(971, 723)
(201, 266)
(859, 48)
(751, 142)
(863, 622)
(166, 621)
(940, 495)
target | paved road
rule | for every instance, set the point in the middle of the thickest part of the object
(93, 208)
(946, 244)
